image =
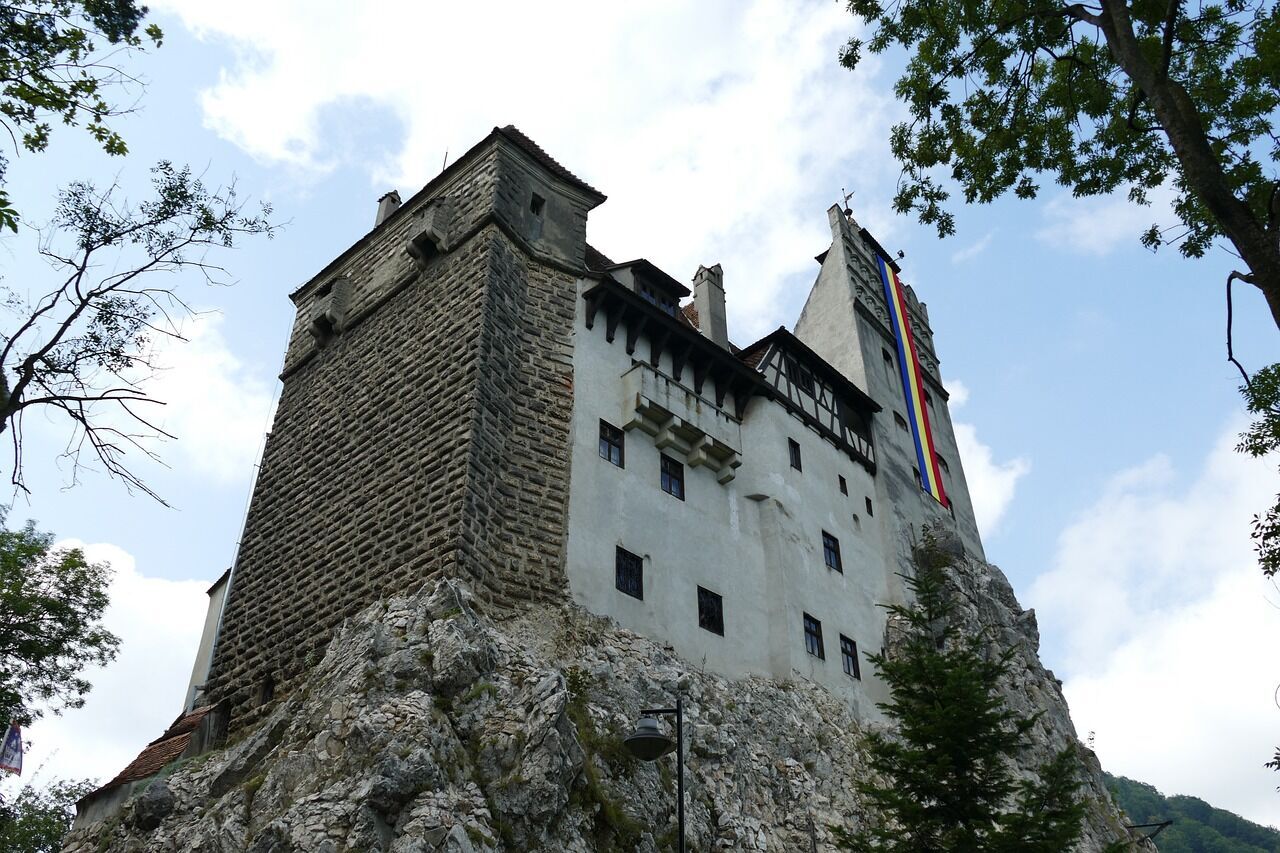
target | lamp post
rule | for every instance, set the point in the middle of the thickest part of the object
(648, 743)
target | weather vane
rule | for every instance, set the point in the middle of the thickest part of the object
(848, 211)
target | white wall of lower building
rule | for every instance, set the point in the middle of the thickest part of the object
(756, 540)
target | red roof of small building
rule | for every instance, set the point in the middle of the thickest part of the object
(164, 749)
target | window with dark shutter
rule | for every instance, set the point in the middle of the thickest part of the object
(629, 573)
(793, 449)
(672, 477)
(710, 611)
(849, 657)
(611, 443)
(831, 552)
(813, 637)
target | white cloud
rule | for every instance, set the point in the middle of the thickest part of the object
(721, 131)
(1168, 629)
(134, 698)
(217, 406)
(991, 483)
(972, 250)
(1098, 225)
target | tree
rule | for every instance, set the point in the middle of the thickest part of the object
(85, 348)
(1101, 95)
(37, 819)
(51, 606)
(52, 69)
(944, 778)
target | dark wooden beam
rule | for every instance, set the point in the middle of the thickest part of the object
(700, 373)
(657, 341)
(679, 355)
(593, 303)
(614, 313)
(635, 325)
(724, 381)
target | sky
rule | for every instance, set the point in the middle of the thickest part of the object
(1095, 409)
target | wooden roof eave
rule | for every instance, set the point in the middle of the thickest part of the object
(841, 382)
(620, 304)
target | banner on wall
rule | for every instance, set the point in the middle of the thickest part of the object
(912, 384)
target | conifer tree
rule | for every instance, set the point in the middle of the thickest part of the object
(944, 777)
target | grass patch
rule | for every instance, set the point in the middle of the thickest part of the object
(482, 689)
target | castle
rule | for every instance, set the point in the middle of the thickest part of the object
(472, 390)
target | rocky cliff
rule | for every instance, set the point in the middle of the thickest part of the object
(430, 727)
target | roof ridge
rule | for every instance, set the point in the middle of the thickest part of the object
(550, 163)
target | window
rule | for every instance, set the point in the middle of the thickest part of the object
(611, 443)
(710, 611)
(857, 523)
(800, 376)
(628, 573)
(942, 463)
(813, 637)
(537, 204)
(869, 510)
(900, 421)
(916, 472)
(672, 477)
(888, 364)
(844, 487)
(831, 552)
(658, 299)
(849, 657)
(793, 449)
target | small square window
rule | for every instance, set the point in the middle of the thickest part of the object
(900, 421)
(629, 573)
(672, 477)
(844, 487)
(793, 449)
(849, 657)
(831, 552)
(537, 204)
(813, 637)
(857, 522)
(870, 512)
(710, 611)
(612, 441)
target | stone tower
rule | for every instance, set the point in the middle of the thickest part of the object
(423, 425)
(846, 321)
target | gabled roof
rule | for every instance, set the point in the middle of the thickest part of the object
(753, 353)
(650, 269)
(545, 160)
(510, 133)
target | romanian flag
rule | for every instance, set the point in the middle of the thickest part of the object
(912, 384)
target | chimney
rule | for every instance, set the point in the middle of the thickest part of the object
(387, 205)
(708, 301)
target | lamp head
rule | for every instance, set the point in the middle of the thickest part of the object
(647, 742)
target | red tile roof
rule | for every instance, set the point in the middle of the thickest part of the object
(160, 751)
(691, 314)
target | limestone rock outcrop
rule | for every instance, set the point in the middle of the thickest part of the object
(430, 727)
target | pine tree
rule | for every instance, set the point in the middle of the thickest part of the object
(943, 777)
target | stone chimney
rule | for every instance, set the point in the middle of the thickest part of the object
(387, 205)
(708, 301)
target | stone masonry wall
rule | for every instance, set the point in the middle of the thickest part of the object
(429, 438)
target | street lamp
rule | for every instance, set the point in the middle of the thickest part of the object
(648, 743)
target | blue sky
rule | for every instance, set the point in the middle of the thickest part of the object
(1095, 404)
